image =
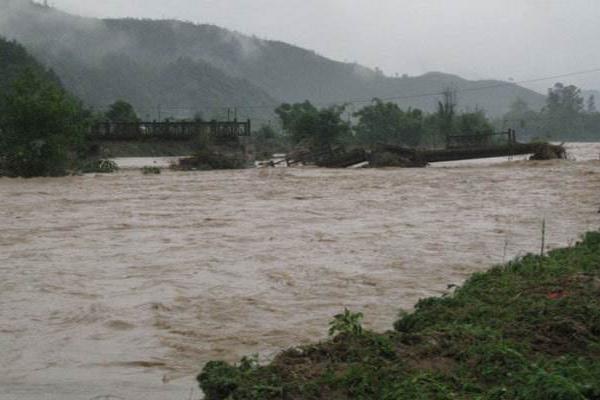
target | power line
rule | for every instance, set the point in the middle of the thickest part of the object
(494, 86)
(390, 98)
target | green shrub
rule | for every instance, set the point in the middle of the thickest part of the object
(347, 323)
(99, 167)
(151, 170)
(206, 159)
(218, 380)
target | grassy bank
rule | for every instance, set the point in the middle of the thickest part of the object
(529, 329)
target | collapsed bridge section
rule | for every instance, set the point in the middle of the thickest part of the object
(463, 147)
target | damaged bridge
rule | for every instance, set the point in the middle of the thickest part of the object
(470, 147)
(464, 147)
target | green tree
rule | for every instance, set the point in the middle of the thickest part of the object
(316, 128)
(290, 115)
(41, 127)
(564, 110)
(527, 122)
(591, 104)
(386, 122)
(473, 123)
(446, 112)
(566, 116)
(121, 111)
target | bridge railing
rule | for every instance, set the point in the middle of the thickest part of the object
(481, 140)
(129, 131)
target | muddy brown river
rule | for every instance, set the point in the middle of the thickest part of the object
(125, 284)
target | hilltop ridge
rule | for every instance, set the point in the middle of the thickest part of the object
(189, 68)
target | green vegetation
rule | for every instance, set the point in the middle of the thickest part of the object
(378, 122)
(386, 122)
(566, 116)
(99, 166)
(14, 59)
(527, 330)
(214, 154)
(151, 170)
(207, 159)
(348, 323)
(121, 111)
(41, 127)
(316, 129)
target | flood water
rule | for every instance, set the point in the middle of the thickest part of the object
(126, 284)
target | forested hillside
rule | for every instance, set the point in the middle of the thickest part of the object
(185, 68)
(14, 60)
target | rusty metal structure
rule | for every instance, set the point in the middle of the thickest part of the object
(481, 140)
(171, 131)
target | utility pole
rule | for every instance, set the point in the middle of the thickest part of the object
(158, 109)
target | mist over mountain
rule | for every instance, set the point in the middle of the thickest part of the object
(180, 68)
(14, 59)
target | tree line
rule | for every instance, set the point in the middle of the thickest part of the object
(567, 116)
(378, 122)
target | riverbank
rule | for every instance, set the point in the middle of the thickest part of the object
(529, 329)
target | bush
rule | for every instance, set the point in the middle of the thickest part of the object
(100, 167)
(151, 170)
(218, 380)
(206, 159)
(347, 323)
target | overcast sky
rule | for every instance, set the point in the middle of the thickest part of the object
(477, 39)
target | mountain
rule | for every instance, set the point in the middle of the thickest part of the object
(102, 61)
(184, 68)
